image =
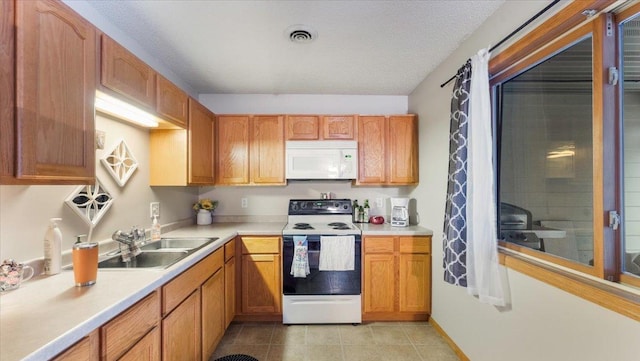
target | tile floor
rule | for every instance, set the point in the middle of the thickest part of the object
(388, 341)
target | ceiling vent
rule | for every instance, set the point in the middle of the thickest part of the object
(300, 34)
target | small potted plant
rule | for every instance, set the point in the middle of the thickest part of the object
(204, 208)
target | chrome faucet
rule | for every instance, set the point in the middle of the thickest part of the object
(128, 246)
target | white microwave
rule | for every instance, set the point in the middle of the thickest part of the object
(322, 159)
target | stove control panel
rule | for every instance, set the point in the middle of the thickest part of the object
(319, 206)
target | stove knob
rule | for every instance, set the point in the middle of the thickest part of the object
(294, 207)
(303, 205)
(345, 207)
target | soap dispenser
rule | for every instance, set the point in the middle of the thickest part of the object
(155, 229)
(53, 248)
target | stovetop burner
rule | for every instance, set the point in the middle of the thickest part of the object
(302, 226)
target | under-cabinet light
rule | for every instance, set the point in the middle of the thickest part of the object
(122, 110)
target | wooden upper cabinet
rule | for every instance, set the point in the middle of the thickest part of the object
(126, 74)
(201, 144)
(267, 149)
(338, 127)
(372, 149)
(8, 91)
(303, 127)
(55, 91)
(172, 102)
(320, 127)
(388, 150)
(232, 165)
(403, 150)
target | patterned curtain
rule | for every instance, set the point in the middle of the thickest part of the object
(455, 222)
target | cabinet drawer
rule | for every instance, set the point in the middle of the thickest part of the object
(415, 244)
(130, 326)
(183, 285)
(88, 348)
(261, 245)
(229, 250)
(378, 244)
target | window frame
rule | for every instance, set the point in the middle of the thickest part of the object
(558, 32)
(620, 18)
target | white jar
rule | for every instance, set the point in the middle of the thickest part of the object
(204, 217)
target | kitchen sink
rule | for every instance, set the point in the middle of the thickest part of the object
(160, 254)
(179, 243)
(146, 259)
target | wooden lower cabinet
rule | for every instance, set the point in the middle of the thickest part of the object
(88, 348)
(379, 282)
(260, 276)
(213, 313)
(397, 278)
(181, 331)
(147, 349)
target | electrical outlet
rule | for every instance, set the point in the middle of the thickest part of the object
(244, 202)
(379, 202)
(154, 209)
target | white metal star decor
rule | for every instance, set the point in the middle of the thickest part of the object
(120, 163)
(90, 202)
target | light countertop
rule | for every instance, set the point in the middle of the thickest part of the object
(48, 314)
(385, 229)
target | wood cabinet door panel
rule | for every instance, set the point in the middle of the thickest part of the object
(125, 74)
(379, 283)
(267, 150)
(55, 91)
(147, 349)
(372, 150)
(201, 144)
(261, 283)
(338, 127)
(303, 127)
(415, 282)
(403, 150)
(181, 331)
(229, 291)
(88, 348)
(233, 149)
(213, 313)
(172, 102)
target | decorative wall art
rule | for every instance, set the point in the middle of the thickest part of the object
(120, 162)
(90, 202)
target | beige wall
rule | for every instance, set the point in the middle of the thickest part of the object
(542, 322)
(25, 210)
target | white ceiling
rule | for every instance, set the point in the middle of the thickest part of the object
(363, 47)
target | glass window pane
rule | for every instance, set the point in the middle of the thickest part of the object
(546, 155)
(631, 148)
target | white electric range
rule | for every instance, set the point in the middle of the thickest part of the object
(321, 296)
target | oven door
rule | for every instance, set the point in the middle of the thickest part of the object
(319, 282)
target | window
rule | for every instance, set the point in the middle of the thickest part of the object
(546, 155)
(568, 152)
(630, 147)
